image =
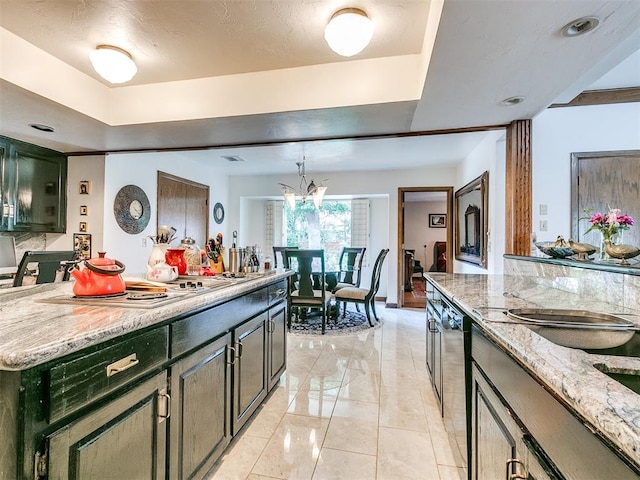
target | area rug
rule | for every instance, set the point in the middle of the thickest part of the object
(418, 288)
(351, 323)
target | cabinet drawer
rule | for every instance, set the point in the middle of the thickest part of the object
(76, 383)
(277, 292)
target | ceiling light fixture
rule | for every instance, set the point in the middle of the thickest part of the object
(349, 31)
(512, 101)
(113, 64)
(580, 26)
(42, 127)
(313, 190)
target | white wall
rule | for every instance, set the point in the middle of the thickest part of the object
(418, 235)
(489, 155)
(89, 168)
(374, 184)
(557, 133)
(141, 169)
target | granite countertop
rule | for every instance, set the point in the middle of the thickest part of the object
(33, 330)
(601, 401)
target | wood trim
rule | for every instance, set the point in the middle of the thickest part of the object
(295, 140)
(400, 236)
(518, 181)
(603, 97)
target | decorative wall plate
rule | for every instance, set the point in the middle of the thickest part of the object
(218, 213)
(132, 209)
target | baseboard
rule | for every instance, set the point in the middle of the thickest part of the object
(391, 305)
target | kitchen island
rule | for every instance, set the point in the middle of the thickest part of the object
(565, 385)
(140, 391)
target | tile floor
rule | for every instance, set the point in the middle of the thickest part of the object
(350, 407)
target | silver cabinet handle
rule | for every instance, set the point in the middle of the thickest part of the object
(121, 365)
(164, 407)
(231, 355)
(239, 349)
(515, 476)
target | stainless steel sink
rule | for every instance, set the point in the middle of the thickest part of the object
(576, 328)
(628, 378)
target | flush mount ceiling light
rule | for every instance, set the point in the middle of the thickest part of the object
(42, 128)
(305, 191)
(349, 31)
(113, 64)
(580, 26)
(512, 101)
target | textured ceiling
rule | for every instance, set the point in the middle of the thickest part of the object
(484, 51)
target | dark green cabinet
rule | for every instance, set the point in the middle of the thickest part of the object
(249, 369)
(125, 438)
(200, 429)
(276, 344)
(33, 188)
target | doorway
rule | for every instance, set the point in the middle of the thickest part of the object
(425, 236)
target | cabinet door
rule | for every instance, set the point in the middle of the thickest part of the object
(201, 394)
(37, 179)
(277, 344)
(125, 438)
(249, 369)
(5, 202)
(496, 438)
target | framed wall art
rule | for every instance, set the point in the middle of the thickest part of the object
(82, 245)
(85, 187)
(84, 210)
(83, 227)
(437, 220)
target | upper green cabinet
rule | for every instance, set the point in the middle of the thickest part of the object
(33, 186)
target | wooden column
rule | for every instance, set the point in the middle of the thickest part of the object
(518, 201)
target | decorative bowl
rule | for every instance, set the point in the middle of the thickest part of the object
(556, 252)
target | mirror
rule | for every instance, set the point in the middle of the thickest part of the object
(471, 211)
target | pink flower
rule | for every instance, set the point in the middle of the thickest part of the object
(596, 218)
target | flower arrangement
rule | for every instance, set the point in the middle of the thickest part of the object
(609, 224)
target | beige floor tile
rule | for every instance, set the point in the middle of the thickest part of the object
(405, 455)
(238, 461)
(313, 403)
(266, 420)
(340, 465)
(360, 385)
(451, 473)
(402, 408)
(293, 450)
(353, 427)
(253, 476)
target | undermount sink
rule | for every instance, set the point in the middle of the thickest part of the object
(628, 378)
(576, 328)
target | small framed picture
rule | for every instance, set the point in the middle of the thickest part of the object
(85, 187)
(83, 227)
(437, 220)
(84, 210)
(82, 244)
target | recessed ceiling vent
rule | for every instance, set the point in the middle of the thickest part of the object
(42, 128)
(233, 158)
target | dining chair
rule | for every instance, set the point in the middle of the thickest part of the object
(302, 295)
(366, 296)
(350, 267)
(278, 251)
(49, 262)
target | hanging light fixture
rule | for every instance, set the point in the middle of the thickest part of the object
(305, 190)
(113, 64)
(349, 31)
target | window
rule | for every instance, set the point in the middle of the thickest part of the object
(336, 224)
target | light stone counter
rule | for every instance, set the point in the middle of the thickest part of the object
(600, 401)
(34, 331)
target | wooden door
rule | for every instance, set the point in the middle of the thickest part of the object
(200, 430)
(184, 205)
(601, 180)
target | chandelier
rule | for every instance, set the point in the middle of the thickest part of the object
(305, 190)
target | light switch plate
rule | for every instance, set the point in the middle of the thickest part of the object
(543, 209)
(543, 225)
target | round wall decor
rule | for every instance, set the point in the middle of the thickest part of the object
(132, 209)
(218, 212)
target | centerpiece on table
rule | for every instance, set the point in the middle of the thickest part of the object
(611, 227)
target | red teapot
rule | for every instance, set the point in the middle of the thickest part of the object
(99, 277)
